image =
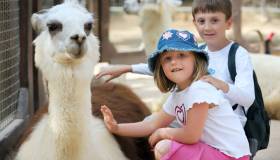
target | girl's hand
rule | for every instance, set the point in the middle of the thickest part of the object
(219, 84)
(114, 72)
(157, 136)
(109, 119)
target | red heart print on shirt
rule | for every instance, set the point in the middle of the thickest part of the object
(180, 113)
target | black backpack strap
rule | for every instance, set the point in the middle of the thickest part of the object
(231, 60)
(234, 106)
(257, 127)
(232, 67)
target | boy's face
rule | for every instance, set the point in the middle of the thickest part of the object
(211, 26)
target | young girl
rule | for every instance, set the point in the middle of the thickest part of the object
(209, 128)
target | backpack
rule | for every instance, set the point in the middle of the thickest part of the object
(257, 127)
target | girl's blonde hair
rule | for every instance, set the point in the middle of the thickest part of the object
(165, 85)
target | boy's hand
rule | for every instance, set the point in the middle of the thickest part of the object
(114, 72)
(219, 84)
(109, 119)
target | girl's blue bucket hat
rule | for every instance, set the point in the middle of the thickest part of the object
(174, 40)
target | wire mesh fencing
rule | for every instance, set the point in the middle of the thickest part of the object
(9, 60)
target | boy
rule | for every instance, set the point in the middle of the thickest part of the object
(212, 18)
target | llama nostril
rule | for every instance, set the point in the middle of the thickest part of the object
(75, 37)
(78, 38)
(82, 39)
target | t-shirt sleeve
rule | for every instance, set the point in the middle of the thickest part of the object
(167, 106)
(202, 92)
(141, 68)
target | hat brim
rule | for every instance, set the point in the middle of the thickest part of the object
(153, 57)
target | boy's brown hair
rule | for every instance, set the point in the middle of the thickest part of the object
(165, 85)
(204, 6)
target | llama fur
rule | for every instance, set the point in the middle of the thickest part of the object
(155, 18)
(266, 68)
(118, 98)
(66, 53)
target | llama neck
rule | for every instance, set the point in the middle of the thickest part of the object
(69, 102)
(69, 113)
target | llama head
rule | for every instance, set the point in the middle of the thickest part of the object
(134, 6)
(131, 6)
(65, 38)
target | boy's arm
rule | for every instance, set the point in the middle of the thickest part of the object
(116, 71)
(219, 84)
(242, 91)
(141, 68)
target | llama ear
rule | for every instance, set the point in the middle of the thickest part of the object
(37, 20)
(82, 2)
(174, 3)
(132, 6)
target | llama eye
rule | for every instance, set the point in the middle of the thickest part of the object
(55, 26)
(88, 27)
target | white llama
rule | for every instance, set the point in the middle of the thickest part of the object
(66, 52)
(155, 18)
(268, 74)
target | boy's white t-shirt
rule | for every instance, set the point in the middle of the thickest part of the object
(218, 68)
(222, 129)
(242, 91)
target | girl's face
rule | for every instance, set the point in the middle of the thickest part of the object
(178, 67)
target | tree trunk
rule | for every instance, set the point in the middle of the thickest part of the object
(236, 17)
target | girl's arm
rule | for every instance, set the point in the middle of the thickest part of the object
(137, 129)
(190, 133)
